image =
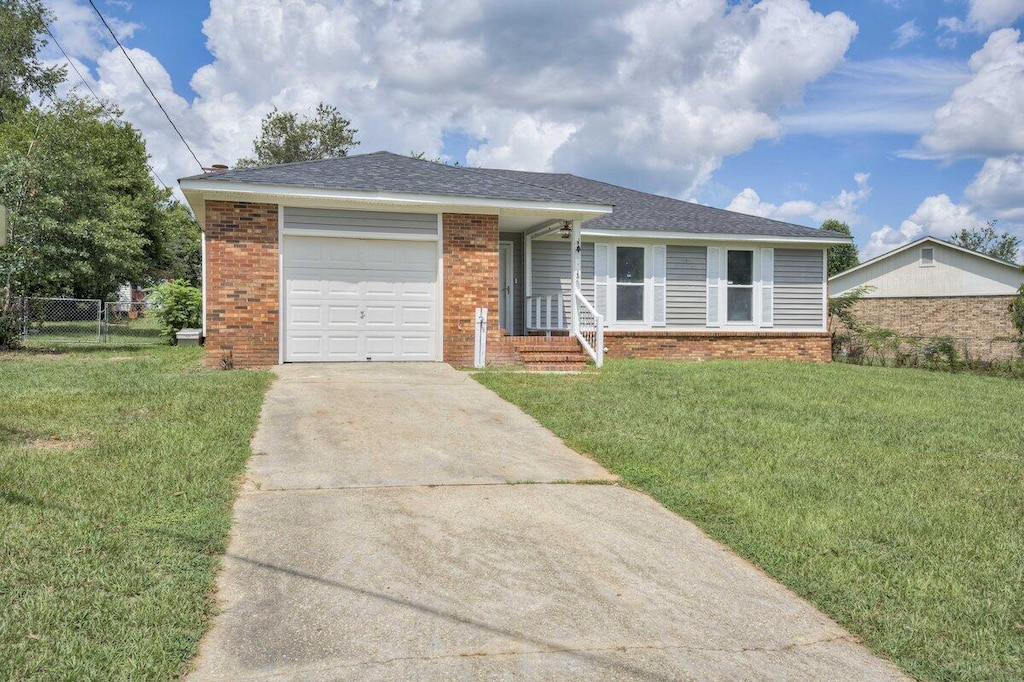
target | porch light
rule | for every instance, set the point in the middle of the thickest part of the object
(566, 230)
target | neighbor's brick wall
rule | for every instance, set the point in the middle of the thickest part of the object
(719, 345)
(470, 245)
(981, 323)
(242, 285)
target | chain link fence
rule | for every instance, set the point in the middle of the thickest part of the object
(59, 321)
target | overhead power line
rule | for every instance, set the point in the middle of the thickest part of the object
(98, 99)
(142, 78)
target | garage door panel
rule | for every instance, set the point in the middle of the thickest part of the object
(359, 299)
(305, 347)
(343, 348)
(305, 315)
(341, 315)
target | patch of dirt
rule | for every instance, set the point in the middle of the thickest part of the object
(56, 443)
(120, 358)
(41, 353)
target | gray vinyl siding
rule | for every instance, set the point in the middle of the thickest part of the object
(686, 290)
(799, 298)
(550, 265)
(342, 221)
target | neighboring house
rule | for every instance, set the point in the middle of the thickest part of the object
(386, 257)
(931, 288)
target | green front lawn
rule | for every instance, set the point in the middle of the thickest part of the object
(117, 473)
(891, 498)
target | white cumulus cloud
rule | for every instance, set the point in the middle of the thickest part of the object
(985, 15)
(843, 206)
(906, 33)
(651, 93)
(938, 215)
(998, 188)
(985, 116)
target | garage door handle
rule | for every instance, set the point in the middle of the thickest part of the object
(362, 314)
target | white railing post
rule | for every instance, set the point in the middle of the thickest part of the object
(576, 258)
(480, 348)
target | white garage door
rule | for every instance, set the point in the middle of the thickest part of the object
(359, 299)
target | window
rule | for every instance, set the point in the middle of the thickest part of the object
(740, 286)
(629, 283)
(927, 256)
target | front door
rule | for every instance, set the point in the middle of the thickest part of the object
(506, 318)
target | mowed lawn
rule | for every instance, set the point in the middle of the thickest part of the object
(117, 473)
(891, 498)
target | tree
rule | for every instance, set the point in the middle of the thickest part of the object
(22, 73)
(84, 212)
(182, 255)
(285, 137)
(990, 241)
(844, 256)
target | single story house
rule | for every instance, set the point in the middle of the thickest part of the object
(381, 257)
(931, 288)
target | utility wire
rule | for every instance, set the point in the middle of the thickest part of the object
(99, 99)
(155, 98)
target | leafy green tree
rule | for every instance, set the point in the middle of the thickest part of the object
(84, 212)
(286, 137)
(844, 256)
(182, 257)
(990, 241)
(22, 73)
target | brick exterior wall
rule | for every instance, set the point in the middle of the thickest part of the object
(242, 284)
(470, 248)
(981, 324)
(719, 345)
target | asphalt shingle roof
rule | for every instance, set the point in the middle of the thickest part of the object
(632, 210)
(387, 172)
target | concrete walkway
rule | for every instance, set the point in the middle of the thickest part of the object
(378, 538)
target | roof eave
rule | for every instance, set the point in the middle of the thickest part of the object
(714, 236)
(197, 190)
(918, 242)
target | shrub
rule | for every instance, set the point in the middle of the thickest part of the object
(10, 322)
(942, 348)
(177, 305)
(1017, 317)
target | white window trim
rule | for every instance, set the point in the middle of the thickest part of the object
(921, 261)
(611, 321)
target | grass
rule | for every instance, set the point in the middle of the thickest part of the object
(891, 498)
(117, 472)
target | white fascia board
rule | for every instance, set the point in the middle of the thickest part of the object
(285, 194)
(918, 242)
(708, 237)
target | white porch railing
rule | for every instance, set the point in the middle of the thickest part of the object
(546, 313)
(589, 328)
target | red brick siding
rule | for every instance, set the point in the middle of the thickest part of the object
(717, 345)
(242, 284)
(470, 246)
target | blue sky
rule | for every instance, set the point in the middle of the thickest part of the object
(791, 109)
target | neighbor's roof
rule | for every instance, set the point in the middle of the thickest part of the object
(632, 210)
(918, 242)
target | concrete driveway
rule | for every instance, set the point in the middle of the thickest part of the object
(379, 537)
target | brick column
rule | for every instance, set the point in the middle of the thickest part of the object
(242, 284)
(470, 244)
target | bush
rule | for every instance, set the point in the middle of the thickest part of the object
(10, 322)
(176, 305)
(942, 348)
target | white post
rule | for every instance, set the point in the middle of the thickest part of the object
(576, 258)
(480, 349)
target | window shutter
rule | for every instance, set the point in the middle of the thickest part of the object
(658, 257)
(601, 279)
(767, 287)
(714, 266)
